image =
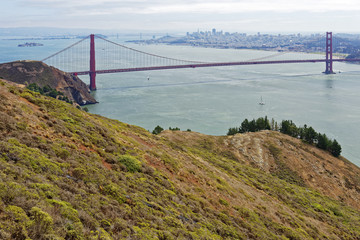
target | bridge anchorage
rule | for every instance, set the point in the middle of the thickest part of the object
(112, 57)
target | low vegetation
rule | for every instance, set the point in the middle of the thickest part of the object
(68, 174)
(48, 91)
(158, 129)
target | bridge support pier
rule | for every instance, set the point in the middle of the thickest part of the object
(92, 81)
(329, 60)
(92, 72)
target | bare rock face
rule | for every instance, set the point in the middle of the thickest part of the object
(27, 72)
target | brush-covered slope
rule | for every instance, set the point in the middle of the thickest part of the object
(28, 72)
(67, 174)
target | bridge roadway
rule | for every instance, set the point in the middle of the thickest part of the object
(219, 64)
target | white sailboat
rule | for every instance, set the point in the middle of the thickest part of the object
(261, 101)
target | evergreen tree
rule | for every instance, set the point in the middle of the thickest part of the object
(252, 126)
(35, 88)
(233, 131)
(53, 93)
(335, 148)
(301, 132)
(323, 142)
(47, 89)
(289, 128)
(262, 124)
(244, 126)
(273, 124)
(277, 128)
(310, 135)
(157, 130)
(267, 124)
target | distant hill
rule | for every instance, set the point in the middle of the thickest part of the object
(68, 174)
(28, 72)
(355, 55)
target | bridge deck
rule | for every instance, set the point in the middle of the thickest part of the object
(218, 64)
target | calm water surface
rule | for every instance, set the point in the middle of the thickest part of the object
(210, 100)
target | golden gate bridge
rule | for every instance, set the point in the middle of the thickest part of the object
(112, 57)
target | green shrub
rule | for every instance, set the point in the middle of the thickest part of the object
(17, 213)
(79, 173)
(21, 125)
(115, 192)
(48, 91)
(223, 202)
(131, 163)
(66, 210)
(42, 223)
(74, 231)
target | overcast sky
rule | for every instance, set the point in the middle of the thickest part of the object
(185, 15)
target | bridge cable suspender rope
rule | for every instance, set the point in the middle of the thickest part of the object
(72, 45)
(182, 60)
(149, 54)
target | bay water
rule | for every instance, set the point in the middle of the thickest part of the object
(211, 100)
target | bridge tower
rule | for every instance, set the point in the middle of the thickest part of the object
(92, 72)
(329, 47)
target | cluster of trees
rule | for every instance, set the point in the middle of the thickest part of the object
(48, 91)
(251, 126)
(307, 134)
(159, 129)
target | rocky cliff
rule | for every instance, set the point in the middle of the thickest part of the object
(27, 72)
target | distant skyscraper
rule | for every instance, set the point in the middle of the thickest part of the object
(214, 31)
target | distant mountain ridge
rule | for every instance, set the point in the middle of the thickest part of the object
(28, 72)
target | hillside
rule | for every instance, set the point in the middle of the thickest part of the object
(67, 174)
(28, 72)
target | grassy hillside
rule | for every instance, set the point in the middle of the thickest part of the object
(67, 174)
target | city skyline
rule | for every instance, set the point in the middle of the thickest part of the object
(182, 16)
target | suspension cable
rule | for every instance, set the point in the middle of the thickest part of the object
(72, 45)
(150, 54)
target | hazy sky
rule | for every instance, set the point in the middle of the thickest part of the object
(185, 15)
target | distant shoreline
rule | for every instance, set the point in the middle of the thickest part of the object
(31, 44)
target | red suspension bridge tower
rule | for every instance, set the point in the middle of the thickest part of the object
(92, 72)
(329, 48)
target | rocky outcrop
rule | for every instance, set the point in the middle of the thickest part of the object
(27, 72)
